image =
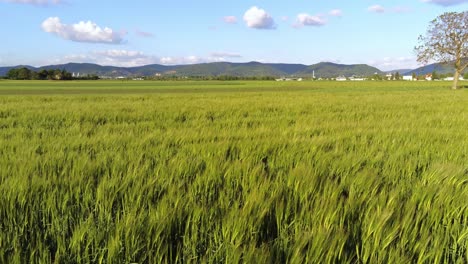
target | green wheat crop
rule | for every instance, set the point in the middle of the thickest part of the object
(233, 172)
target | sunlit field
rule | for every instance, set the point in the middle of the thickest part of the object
(233, 172)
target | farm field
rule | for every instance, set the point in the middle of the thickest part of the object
(233, 172)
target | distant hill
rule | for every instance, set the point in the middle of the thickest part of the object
(249, 69)
(439, 68)
(329, 70)
(401, 71)
(237, 69)
(4, 70)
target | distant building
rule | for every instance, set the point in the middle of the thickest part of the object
(452, 78)
(289, 79)
(408, 78)
(341, 78)
(356, 78)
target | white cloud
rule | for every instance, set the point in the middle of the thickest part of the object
(167, 60)
(396, 9)
(308, 20)
(230, 20)
(223, 56)
(336, 12)
(34, 2)
(132, 58)
(259, 19)
(182, 60)
(193, 59)
(284, 18)
(394, 63)
(82, 32)
(114, 57)
(332, 60)
(446, 2)
(114, 53)
(376, 9)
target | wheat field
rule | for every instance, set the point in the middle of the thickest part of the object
(233, 172)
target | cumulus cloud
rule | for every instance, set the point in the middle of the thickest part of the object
(446, 2)
(223, 56)
(330, 59)
(133, 58)
(336, 12)
(115, 53)
(127, 58)
(230, 20)
(308, 20)
(114, 57)
(82, 32)
(181, 60)
(376, 9)
(130, 58)
(259, 19)
(34, 2)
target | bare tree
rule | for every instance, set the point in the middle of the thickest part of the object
(446, 41)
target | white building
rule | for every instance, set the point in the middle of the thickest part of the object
(341, 78)
(289, 79)
(357, 78)
(451, 78)
(408, 78)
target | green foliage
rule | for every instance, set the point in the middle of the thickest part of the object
(27, 74)
(445, 42)
(376, 77)
(397, 76)
(20, 74)
(233, 172)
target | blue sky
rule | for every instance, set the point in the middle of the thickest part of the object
(132, 33)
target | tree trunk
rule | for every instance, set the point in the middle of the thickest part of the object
(455, 80)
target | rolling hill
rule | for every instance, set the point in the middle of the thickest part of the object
(322, 69)
(330, 70)
(439, 68)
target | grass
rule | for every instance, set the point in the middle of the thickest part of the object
(236, 172)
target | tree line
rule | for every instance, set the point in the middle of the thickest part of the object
(52, 74)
